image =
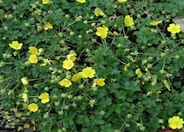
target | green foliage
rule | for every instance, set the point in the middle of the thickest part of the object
(139, 64)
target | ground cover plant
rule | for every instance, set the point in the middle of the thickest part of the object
(92, 65)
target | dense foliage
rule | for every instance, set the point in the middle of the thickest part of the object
(92, 65)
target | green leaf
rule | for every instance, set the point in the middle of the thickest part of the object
(121, 94)
(132, 86)
(121, 40)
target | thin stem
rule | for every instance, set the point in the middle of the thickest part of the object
(50, 109)
(140, 119)
(36, 79)
(63, 104)
(16, 85)
(163, 64)
(70, 24)
(104, 41)
(121, 126)
(8, 83)
(125, 7)
(81, 53)
(124, 32)
(120, 61)
(160, 33)
(42, 83)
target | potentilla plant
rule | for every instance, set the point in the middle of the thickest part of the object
(83, 65)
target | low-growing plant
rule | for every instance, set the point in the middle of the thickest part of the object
(92, 65)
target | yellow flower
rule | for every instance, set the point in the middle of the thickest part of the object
(25, 81)
(47, 26)
(102, 32)
(81, 1)
(88, 72)
(16, 45)
(65, 83)
(100, 82)
(126, 67)
(33, 59)
(44, 98)
(155, 23)
(122, 1)
(25, 97)
(33, 107)
(175, 122)
(72, 56)
(77, 77)
(138, 71)
(166, 84)
(45, 1)
(99, 12)
(33, 50)
(68, 64)
(174, 28)
(129, 21)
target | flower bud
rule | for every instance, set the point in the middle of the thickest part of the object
(46, 89)
(160, 121)
(5, 28)
(139, 124)
(70, 96)
(149, 66)
(81, 86)
(101, 112)
(176, 56)
(46, 115)
(60, 34)
(72, 33)
(129, 116)
(163, 54)
(91, 18)
(60, 112)
(92, 102)
(142, 128)
(56, 103)
(144, 62)
(79, 97)
(55, 97)
(66, 107)
(64, 95)
(162, 71)
(27, 63)
(67, 16)
(74, 104)
(2, 64)
(150, 58)
(127, 125)
(78, 18)
(85, 22)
